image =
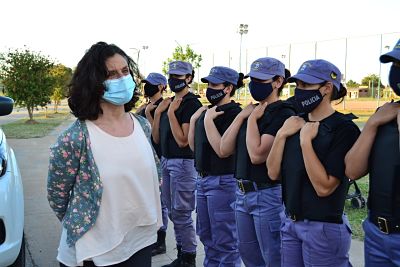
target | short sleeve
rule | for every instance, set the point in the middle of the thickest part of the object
(277, 122)
(190, 108)
(342, 142)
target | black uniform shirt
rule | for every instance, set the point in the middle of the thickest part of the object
(206, 160)
(336, 135)
(274, 116)
(169, 148)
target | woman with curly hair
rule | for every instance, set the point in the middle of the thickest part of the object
(103, 178)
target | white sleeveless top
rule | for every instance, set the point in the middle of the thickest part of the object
(130, 210)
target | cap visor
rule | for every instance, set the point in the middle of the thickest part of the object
(177, 72)
(259, 75)
(305, 78)
(212, 79)
(390, 57)
(148, 81)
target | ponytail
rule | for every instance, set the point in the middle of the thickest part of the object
(339, 94)
(238, 84)
(287, 75)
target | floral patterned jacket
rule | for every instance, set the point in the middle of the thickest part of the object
(74, 187)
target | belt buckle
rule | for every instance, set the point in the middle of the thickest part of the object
(241, 186)
(383, 226)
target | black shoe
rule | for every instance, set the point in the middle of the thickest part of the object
(177, 262)
(188, 259)
(159, 247)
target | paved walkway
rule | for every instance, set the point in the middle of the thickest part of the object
(42, 229)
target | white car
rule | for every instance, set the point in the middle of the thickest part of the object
(12, 245)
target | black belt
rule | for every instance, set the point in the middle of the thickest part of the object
(387, 226)
(203, 174)
(299, 217)
(294, 217)
(249, 186)
(206, 174)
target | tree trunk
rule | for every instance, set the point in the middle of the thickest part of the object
(56, 103)
(30, 112)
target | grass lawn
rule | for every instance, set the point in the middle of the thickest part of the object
(22, 130)
(356, 216)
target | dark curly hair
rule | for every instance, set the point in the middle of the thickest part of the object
(86, 88)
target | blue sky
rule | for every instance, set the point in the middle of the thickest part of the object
(65, 29)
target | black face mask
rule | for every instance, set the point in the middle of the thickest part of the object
(260, 91)
(150, 90)
(307, 100)
(214, 95)
(177, 85)
(394, 79)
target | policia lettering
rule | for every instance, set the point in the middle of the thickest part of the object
(216, 186)
(309, 159)
(377, 153)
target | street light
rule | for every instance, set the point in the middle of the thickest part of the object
(143, 47)
(243, 29)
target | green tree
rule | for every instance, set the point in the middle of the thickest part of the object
(371, 80)
(352, 84)
(62, 76)
(187, 55)
(26, 76)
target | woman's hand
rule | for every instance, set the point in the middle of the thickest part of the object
(258, 111)
(291, 126)
(163, 105)
(245, 113)
(384, 114)
(174, 105)
(197, 114)
(212, 113)
(308, 132)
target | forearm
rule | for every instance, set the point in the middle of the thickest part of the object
(253, 142)
(191, 133)
(357, 158)
(228, 140)
(155, 129)
(275, 156)
(149, 118)
(213, 136)
(177, 130)
(323, 184)
(60, 181)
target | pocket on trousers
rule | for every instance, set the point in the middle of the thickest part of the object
(338, 237)
(185, 196)
(275, 226)
(225, 233)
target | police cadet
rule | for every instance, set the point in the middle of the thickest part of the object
(259, 199)
(308, 155)
(154, 85)
(170, 130)
(216, 187)
(377, 152)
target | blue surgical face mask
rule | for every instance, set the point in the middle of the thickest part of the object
(119, 91)
(307, 100)
(177, 85)
(260, 91)
(214, 95)
(394, 79)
